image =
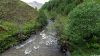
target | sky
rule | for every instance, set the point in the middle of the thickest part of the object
(40, 1)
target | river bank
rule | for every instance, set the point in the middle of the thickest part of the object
(17, 38)
(43, 43)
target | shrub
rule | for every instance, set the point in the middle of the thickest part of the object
(84, 23)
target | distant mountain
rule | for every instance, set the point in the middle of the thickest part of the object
(35, 4)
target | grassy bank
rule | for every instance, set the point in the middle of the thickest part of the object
(14, 33)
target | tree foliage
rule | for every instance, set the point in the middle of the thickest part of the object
(78, 23)
(42, 18)
(61, 6)
(84, 24)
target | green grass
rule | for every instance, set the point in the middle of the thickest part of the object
(13, 28)
(10, 28)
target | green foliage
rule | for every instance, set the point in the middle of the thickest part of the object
(42, 18)
(61, 6)
(81, 27)
(84, 24)
(78, 23)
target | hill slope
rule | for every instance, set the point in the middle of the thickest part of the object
(77, 23)
(16, 9)
(17, 21)
(61, 6)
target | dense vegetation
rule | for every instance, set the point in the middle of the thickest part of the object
(17, 21)
(78, 23)
(61, 6)
(84, 23)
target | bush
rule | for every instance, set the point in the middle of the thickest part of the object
(84, 24)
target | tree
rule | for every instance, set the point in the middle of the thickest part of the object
(84, 24)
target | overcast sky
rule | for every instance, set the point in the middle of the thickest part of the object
(40, 1)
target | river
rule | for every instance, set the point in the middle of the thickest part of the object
(43, 43)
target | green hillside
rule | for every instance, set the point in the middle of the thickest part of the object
(17, 21)
(77, 23)
(61, 6)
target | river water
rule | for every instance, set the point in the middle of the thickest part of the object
(41, 44)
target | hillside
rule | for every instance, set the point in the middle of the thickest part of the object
(17, 21)
(15, 9)
(77, 24)
(61, 6)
